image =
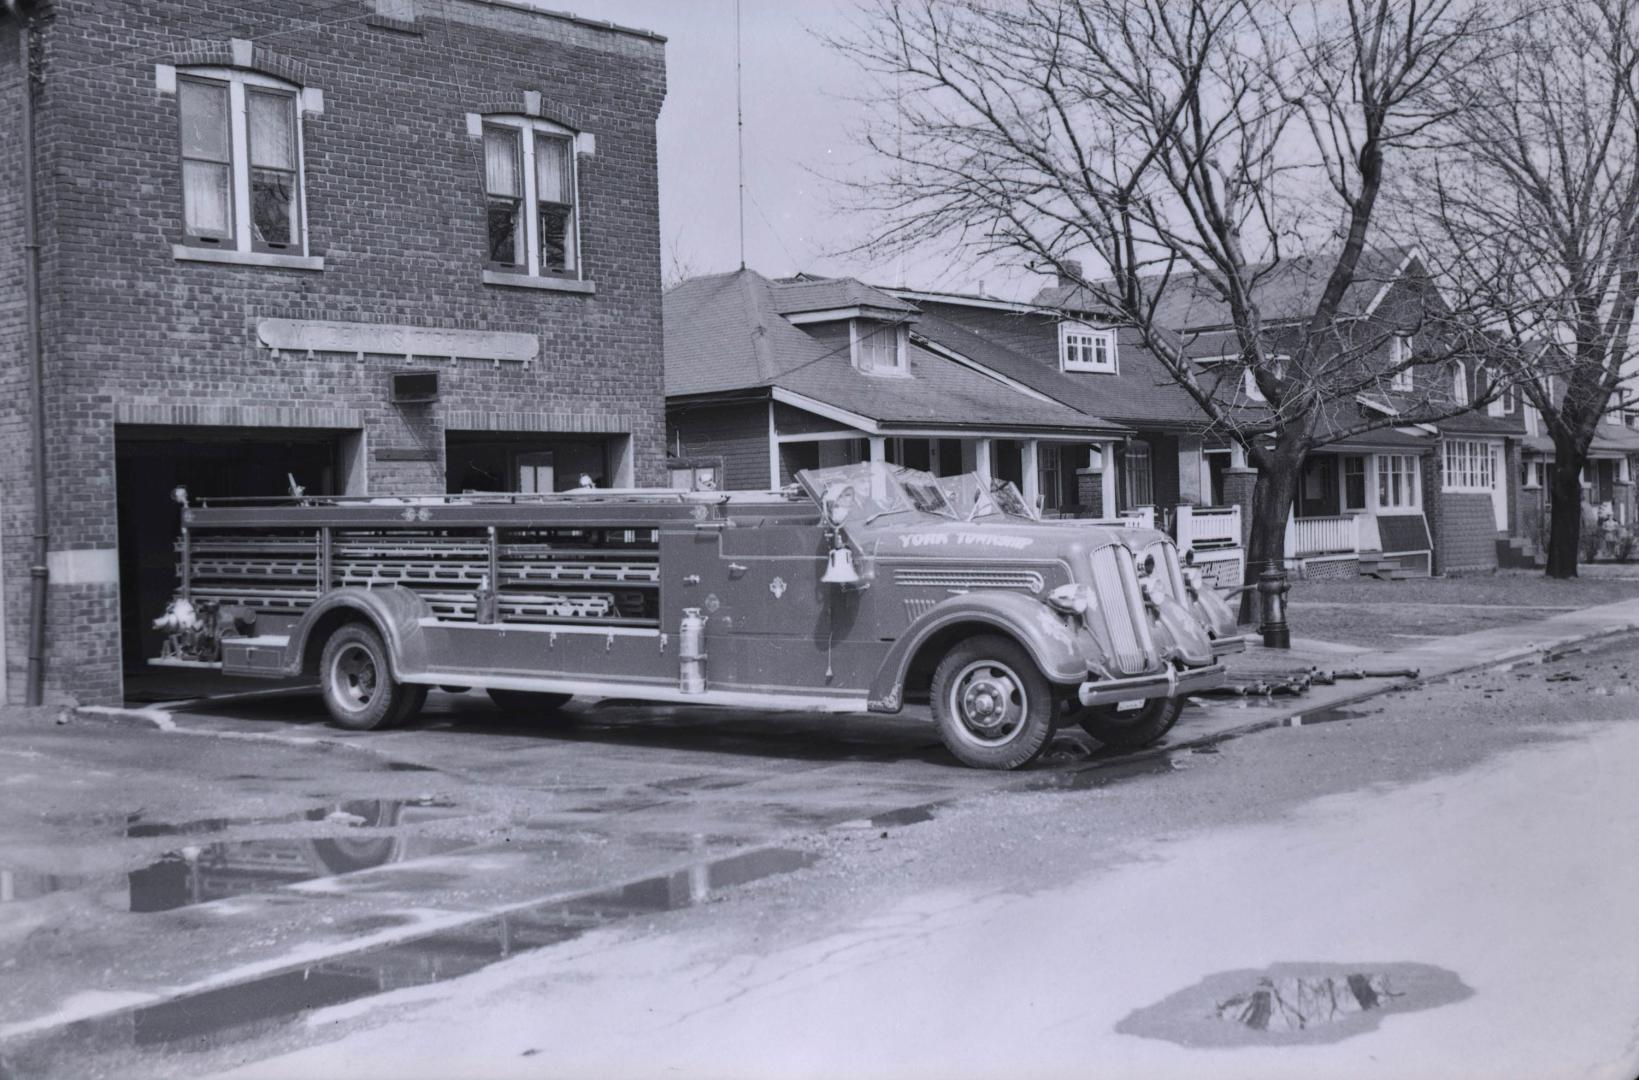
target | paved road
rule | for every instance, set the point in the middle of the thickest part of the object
(1455, 872)
(142, 862)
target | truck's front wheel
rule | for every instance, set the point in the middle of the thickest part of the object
(1131, 729)
(357, 683)
(993, 706)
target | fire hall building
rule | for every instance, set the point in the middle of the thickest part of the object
(369, 247)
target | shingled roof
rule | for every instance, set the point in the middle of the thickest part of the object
(1024, 347)
(728, 332)
(1286, 290)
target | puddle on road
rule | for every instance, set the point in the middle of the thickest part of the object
(198, 875)
(214, 1018)
(1292, 1004)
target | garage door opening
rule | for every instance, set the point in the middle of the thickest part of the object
(211, 463)
(533, 462)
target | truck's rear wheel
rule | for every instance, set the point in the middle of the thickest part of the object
(1131, 729)
(528, 703)
(358, 685)
(993, 706)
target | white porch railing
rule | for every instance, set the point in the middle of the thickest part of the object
(1323, 535)
(1208, 526)
(1139, 517)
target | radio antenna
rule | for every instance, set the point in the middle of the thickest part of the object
(740, 132)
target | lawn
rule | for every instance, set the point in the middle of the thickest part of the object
(1394, 614)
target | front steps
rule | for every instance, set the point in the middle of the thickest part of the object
(1374, 564)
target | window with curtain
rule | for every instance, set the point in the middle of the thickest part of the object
(530, 197)
(241, 155)
(504, 194)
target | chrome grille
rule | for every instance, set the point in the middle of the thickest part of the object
(970, 579)
(1123, 608)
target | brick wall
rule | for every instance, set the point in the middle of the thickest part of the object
(1467, 537)
(736, 435)
(395, 205)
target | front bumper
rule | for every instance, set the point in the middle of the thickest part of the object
(1223, 646)
(1168, 683)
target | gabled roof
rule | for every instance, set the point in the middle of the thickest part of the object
(1287, 290)
(726, 333)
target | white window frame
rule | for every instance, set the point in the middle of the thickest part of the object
(1343, 483)
(1400, 382)
(1459, 383)
(900, 369)
(527, 127)
(239, 152)
(1080, 346)
(1385, 467)
(1468, 465)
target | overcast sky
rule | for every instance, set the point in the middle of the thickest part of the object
(799, 122)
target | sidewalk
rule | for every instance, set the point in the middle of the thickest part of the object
(1222, 718)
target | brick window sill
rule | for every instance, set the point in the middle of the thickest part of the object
(268, 259)
(547, 284)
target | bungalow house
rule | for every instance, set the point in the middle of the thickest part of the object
(1608, 481)
(1405, 498)
(766, 377)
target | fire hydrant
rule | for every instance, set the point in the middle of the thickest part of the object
(1273, 587)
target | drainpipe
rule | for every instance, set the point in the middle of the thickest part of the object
(31, 246)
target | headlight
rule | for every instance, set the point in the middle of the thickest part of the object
(1072, 599)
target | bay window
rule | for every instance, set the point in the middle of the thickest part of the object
(1469, 466)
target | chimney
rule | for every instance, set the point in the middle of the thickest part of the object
(1069, 273)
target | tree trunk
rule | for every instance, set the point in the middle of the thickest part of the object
(1272, 499)
(1565, 516)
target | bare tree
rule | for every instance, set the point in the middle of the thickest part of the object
(1218, 146)
(1536, 218)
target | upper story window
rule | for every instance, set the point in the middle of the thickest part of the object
(1459, 383)
(1086, 348)
(878, 347)
(1400, 353)
(530, 196)
(241, 161)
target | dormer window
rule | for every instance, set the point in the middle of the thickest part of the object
(878, 347)
(1086, 348)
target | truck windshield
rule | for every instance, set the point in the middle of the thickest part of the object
(975, 498)
(872, 489)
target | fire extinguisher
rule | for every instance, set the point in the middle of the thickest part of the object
(692, 652)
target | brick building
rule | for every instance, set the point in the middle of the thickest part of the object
(253, 216)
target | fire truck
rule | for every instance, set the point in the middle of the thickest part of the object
(857, 590)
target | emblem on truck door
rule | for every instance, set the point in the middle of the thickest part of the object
(777, 587)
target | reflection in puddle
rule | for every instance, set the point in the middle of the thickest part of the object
(1293, 1004)
(198, 875)
(1290, 1004)
(213, 1018)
